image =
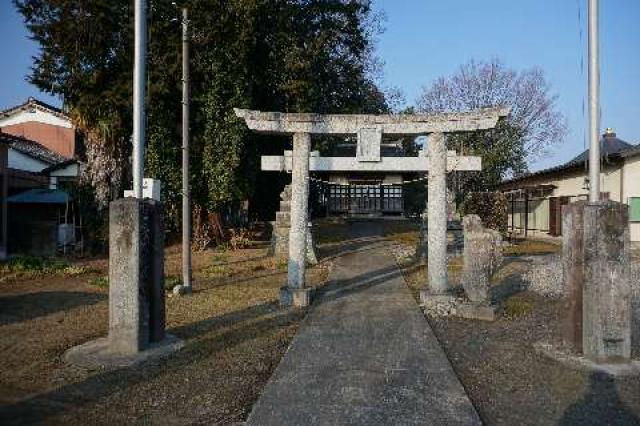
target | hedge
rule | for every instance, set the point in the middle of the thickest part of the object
(490, 206)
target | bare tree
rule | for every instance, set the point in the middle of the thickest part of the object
(534, 115)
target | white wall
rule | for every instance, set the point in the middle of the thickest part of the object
(572, 184)
(31, 115)
(72, 170)
(620, 182)
(20, 161)
(631, 188)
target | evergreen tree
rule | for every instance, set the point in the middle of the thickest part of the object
(282, 55)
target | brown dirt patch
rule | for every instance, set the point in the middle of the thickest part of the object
(234, 330)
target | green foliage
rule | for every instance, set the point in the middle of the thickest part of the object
(214, 271)
(490, 206)
(101, 281)
(28, 267)
(292, 55)
(171, 281)
(502, 151)
(516, 306)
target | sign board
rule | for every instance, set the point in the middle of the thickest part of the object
(634, 209)
(150, 189)
(369, 141)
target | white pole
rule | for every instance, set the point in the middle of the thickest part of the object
(139, 122)
(186, 202)
(594, 104)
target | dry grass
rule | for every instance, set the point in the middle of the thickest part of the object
(234, 330)
(532, 247)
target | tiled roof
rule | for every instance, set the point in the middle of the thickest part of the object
(32, 149)
(35, 103)
(609, 144)
(611, 148)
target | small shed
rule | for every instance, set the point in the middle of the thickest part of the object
(40, 221)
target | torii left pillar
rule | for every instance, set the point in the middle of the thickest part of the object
(437, 211)
(295, 293)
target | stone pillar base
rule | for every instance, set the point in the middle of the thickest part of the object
(438, 304)
(428, 298)
(99, 353)
(296, 297)
(567, 357)
(478, 311)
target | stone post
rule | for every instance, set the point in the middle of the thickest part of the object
(482, 257)
(136, 291)
(437, 210)
(295, 293)
(606, 333)
(572, 271)
(423, 241)
(136, 275)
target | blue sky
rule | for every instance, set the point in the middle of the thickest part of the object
(426, 39)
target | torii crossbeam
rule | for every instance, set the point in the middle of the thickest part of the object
(369, 130)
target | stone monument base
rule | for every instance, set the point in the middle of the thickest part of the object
(441, 305)
(297, 297)
(429, 298)
(97, 353)
(479, 311)
(572, 360)
(181, 290)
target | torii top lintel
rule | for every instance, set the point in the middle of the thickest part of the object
(349, 124)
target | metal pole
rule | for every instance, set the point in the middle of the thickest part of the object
(526, 213)
(186, 202)
(5, 192)
(140, 59)
(594, 104)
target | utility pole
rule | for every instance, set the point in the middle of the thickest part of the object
(139, 80)
(186, 194)
(594, 104)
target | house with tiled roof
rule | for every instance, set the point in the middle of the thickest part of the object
(536, 199)
(42, 123)
(37, 160)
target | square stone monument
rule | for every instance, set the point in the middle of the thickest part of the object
(606, 306)
(136, 289)
(482, 257)
(596, 271)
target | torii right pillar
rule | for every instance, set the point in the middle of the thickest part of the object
(437, 214)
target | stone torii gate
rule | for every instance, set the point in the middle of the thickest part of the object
(369, 130)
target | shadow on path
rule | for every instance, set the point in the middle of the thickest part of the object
(601, 405)
(24, 307)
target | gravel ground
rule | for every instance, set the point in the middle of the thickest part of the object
(236, 335)
(509, 383)
(507, 380)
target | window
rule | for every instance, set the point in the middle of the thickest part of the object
(634, 209)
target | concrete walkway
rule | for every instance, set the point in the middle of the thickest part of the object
(365, 355)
